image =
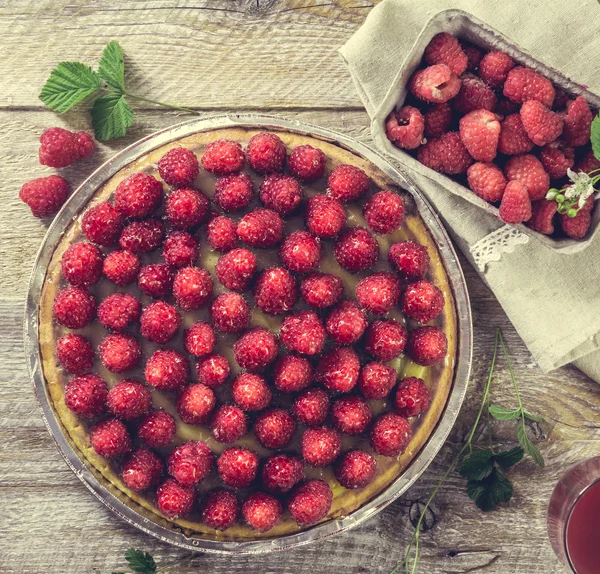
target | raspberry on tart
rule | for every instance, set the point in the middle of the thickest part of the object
(275, 291)
(261, 228)
(385, 340)
(282, 472)
(376, 380)
(310, 502)
(251, 392)
(190, 463)
(378, 293)
(142, 236)
(120, 353)
(338, 370)
(303, 333)
(221, 234)
(262, 511)
(311, 406)
(129, 399)
(121, 267)
(238, 466)
(351, 415)
(180, 249)
(356, 249)
(300, 252)
(118, 311)
(157, 428)
(320, 445)
(230, 313)
(138, 196)
(274, 428)
(76, 353)
(195, 404)
(178, 167)
(199, 339)
(307, 163)
(74, 307)
(86, 395)
(142, 469)
(156, 280)
(223, 157)
(187, 208)
(192, 288)
(81, 264)
(281, 193)
(173, 499)
(325, 216)
(390, 434)
(346, 323)
(159, 322)
(356, 469)
(228, 424)
(412, 397)
(236, 269)
(256, 349)
(266, 153)
(110, 438)
(213, 370)
(321, 290)
(292, 373)
(167, 370)
(220, 509)
(233, 192)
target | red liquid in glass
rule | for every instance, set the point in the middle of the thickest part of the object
(583, 532)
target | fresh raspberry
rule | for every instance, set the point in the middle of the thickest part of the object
(118, 311)
(310, 502)
(523, 84)
(412, 397)
(541, 124)
(474, 56)
(141, 470)
(61, 148)
(192, 288)
(174, 500)
(178, 167)
(121, 267)
(75, 353)
(281, 193)
(346, 323)
(422, 301)
(292, 374)
(479, 131)
(157, 429)
(321, 446)
(266, 153)
(159, 322)
(410, 259)
(138, 195)
(274, 428)
(213, 370)
(446, 154)
(167, 370)
(300, 252)
(81, 264)
(311, 406)
(589, 162)
(221, 234)
(74, 307)
(223, 157)
(233, 192)
(325, 216)
(262, 511)
(438, 119)
(376, 380)
(282, 472)
(576, 227)
(180, 249)
(110, 438)
(251, 392)
(385, 340)
(542, 216)
(390, 434)
(351, 415)
(405, 127)
(45, 195)
(321, 290)
(129, 399)
(236, 269)
(261, 228)
(356, 249)
(228, 424)
(199, 339)
(220, 509)
(427, 346)
(156, 280)
(275, 291)
(230, 313)
(120, 353)
(256, 349)
(102, 224)
(445, 49)
(142, 236)
(347, 183)
(487, 181)
(528, 170)
(557, 158)
(494, 68)
(474, 94)
(384, 212)
(195, 404)
(238, 466)
(577, 122)
(303, 332)
(338, 370)
(356, 469)
(187, 207)
(436, 84)
(307, 163)
(506, 107)
(379, 292)
(86, 395)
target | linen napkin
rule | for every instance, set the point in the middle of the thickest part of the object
(552, 299)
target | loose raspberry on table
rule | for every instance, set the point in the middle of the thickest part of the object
(256, 349)
(142, 469)
(81, 264)
(479, 131)
(174, 500)
(61, 148)
(120, 353)
(221, 233)
(427, 346)
(118, 311)
(274, 428)
(557, 158)
(110, 438)
(238, 466)
(494, 68)
(311, 406)
(251, 392)
(347, 183)
(541, 124)
(275, 291)
(195, 404)
(385, 340)
(446, 154)
(474, 94)
(180, 249)
(121, 267)
(281, 193)
(167, 370)
(228, 424)
(310, 502)
(142, 236)
(436, 84)
(351, 415)
(513, 138)
(220, 509)
(338, 370)
(410, 259)
(356, 469)
(577, 122)
(474, 56)
(86, 395)
(156, 280)
(129, 399)
(102, 224)
(75, 353)
(199, 339)
(223, 157)
(262, 511)
(412, 397)
(542, 216)
(390, 434)
(281, 472)
(523, 84)
(379, 292)
(376, 380)
(487, 181)
(192, 288)
(307, 163)
(320, 446)
(422, 301)
(346, 323)
(292, 374)
(405, 127)
(528, 170)
(159, 322)
(321, 290)
(445, 49)
(230, 313)
(384, 212)
(187, 208)
(236, 269)
(74, 307)
(179, 167)
(303, 332)
(266, 153)
(138, 195)
(157, 429)
(325, 216)
(45, 195)
(261, 228)
(233, 192)
(356, 249)
(300, 252)
(578, 226)
(438, 119)
(213, 370)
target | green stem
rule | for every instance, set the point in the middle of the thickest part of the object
(157, 103)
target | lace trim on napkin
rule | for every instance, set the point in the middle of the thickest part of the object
(491, 248)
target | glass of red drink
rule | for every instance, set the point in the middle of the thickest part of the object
(574, 518)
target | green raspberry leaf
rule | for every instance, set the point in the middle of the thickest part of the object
(477, 465)
(531, 417)
(502, 414)
(112, 66)
(68, 84)
(490, 491)
(595, 136)
(508, 458)
(528, 446)
(111, 116)
(139, 561)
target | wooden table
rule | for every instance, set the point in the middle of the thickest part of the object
(228, 56)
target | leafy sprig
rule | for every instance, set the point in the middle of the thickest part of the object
(143, 562)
